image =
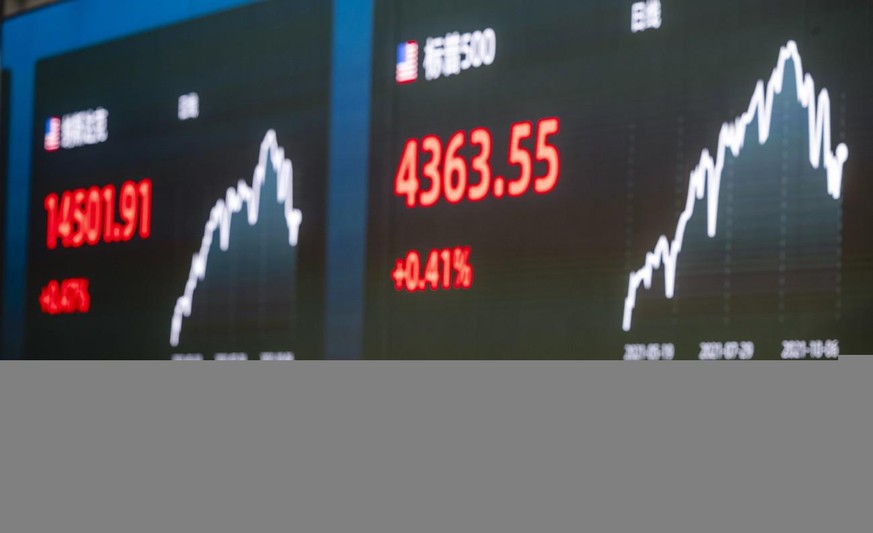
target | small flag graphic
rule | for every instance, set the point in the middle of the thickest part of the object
(52, 134)
(407, 62)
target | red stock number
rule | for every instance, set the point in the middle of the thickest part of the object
(451, 177)
(65, 297)
(445, 269)
(88, 216)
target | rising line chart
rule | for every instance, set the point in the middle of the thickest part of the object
(706, 177)
(221, 216)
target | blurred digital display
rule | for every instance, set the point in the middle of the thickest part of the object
(606, 179)
(177, 203)
(601, 179)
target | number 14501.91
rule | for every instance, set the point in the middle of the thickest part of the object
(88, 216)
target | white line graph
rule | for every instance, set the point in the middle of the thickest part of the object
(221, 215)
(706, 177)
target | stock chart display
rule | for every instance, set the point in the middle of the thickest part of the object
(654, 179)
(177, 202)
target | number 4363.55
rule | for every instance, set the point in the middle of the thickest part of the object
(449, 176)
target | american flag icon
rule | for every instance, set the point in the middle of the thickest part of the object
(52, 134)
(407, 62)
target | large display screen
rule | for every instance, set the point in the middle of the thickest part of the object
(676, 179)
(177, 203)
(591, 179)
